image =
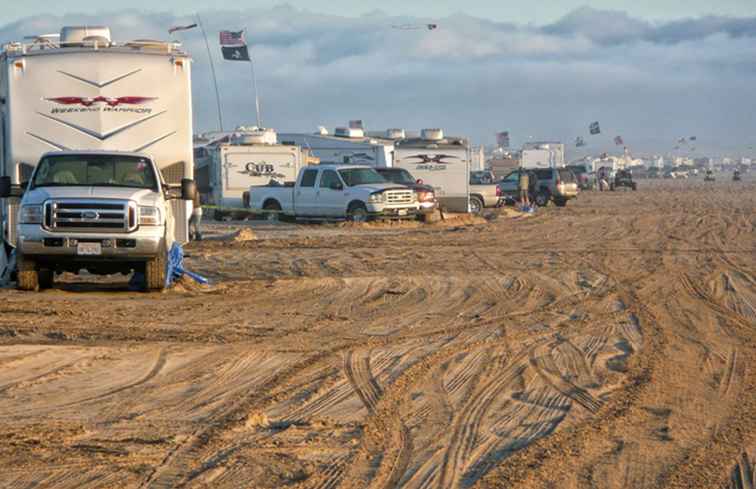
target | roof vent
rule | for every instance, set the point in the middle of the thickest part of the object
(432, 134)
(348, 132)
(78, 35)
(395, 134)
(259, 136)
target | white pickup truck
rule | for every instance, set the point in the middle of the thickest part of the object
(351, 192)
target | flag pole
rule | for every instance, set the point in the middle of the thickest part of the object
(254, 86)
(212, 70)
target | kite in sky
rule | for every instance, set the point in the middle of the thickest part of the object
(579, 142)
(415, 27)
(618, 141)
(595, 128)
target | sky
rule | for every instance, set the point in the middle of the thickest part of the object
(649, 72)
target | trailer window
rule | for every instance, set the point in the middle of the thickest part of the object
(308, 178)
(95, 170)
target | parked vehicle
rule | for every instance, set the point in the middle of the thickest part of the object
(347, 146)
(557, 185)
(736, 176)
(623, 178)
(425, 195)
(119, 201)
(355, 193)
(709, 176)
(248, 157)
(441, 162)
(586, 179)
(509, 186)
(484, 192)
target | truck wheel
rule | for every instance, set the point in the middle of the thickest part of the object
(560, 202)
(542, 199)
(272, 209)
(476, 205)
(635, 187)
(46, 279)
(27, 276)
(245, 200)
(154, 271)
(357, 212)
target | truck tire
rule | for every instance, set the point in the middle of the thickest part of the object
(27, 276)
(357, 212)
(560, 202)
(476, 205)
(542, 199)
(46, 279)
(154, 271)
(271, 210)
(245, 200)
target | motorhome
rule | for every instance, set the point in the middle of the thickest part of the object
(228, 167)
(95, 154)
(347, 146)
(441, 162)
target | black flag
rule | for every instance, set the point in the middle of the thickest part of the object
(235, 53)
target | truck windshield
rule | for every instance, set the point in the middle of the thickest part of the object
(95, 170)
(399, 176)
(360, 176)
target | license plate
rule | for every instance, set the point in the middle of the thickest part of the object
(402, 212)
(89, 249)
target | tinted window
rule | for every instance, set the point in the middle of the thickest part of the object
(566, 175)
(361, 176)
(308, 178)
(328, 179)
(544, 174)
(399, 176)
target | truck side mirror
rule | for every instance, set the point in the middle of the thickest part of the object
(188, 189)
(5, 187)
(336, 186)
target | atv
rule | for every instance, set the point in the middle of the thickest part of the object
(709, 176)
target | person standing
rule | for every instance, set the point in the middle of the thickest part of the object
(194, 222)
(524, 187)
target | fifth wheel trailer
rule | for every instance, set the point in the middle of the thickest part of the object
(110, 125)
(441, 162)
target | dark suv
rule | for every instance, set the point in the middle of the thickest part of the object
(623, 178)
(555, 184)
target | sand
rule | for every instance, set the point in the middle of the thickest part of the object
(608, 344)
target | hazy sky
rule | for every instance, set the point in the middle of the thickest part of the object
(539, 12)
(649, 73)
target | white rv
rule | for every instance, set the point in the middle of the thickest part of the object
(441, 162)
(95, 154)
(247, 158)
(346, 146)
(542, 155)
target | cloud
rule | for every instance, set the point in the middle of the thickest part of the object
(650, 82)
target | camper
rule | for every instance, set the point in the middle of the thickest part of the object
(96, 159)
(347, 146)
(542, 155)
(441, 162)
(249, 157)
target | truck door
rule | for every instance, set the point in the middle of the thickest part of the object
(305, 195)
(331, 199)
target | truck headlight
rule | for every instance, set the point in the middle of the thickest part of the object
(376, 198)
(31, 214)
(149, 216)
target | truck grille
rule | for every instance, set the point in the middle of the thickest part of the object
(116, 216)
(400, 196)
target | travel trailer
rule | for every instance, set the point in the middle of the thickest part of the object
(347, 146)
(251, 157)
(441, 162)
(95, 155)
